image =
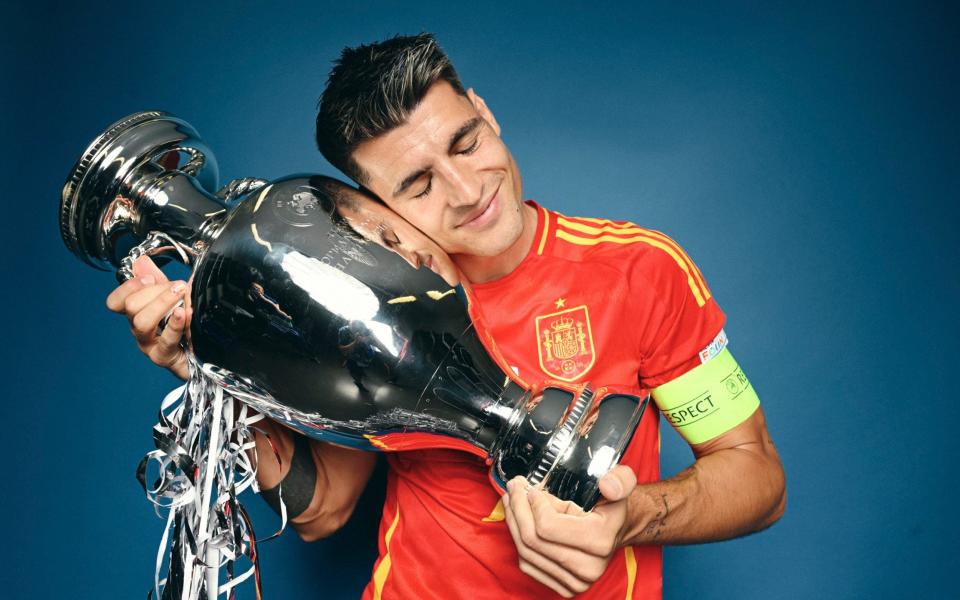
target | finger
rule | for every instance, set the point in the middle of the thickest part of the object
(530, 563)
(136, 301)
(575, 540)
(555, 525)
(561, 506)
(618, 483)
(145, 322)
(144, 267)
(545, 579)
(528, 525)
(166, 351)
(116, 298)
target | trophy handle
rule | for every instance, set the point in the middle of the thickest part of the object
(156, 243)
(240, 187)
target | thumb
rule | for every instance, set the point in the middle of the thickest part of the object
(145, 266)
(618, 483)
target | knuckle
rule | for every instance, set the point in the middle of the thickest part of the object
(525, 553)
(568, 562)
(128, 308)
(141, 324)
(525, 567)
(529, 536)
(548, 529)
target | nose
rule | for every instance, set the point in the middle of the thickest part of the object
(465, 184)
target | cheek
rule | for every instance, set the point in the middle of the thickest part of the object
(492, 154)
(423, 215)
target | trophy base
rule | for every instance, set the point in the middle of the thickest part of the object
(100, 209)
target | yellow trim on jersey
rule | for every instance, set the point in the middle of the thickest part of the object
(496, 515)
(383, 569)
(630, 558)
(546, 228)
(610, 227)
(573, 239)
(376, 442)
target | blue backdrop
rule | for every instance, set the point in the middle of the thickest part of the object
(806, 157)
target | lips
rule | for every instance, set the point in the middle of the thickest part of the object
(483, 213)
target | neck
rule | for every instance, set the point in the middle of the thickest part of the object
(481, 269)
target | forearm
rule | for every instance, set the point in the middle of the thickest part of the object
(725, 494)
(322, 498)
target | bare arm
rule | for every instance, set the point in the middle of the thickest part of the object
(341, 476)
(735, 487)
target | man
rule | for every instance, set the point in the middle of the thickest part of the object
(396, 119)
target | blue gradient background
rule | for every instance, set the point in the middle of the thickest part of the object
(805, 156)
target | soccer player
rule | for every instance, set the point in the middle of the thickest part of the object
(570, 299)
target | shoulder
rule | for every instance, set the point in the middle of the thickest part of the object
(645, 257)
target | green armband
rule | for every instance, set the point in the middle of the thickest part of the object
(708, 400)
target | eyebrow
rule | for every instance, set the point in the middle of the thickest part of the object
(458, 135)
(464, 130)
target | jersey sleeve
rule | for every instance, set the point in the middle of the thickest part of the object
(676, 314)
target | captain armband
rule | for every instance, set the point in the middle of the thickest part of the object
(298, 485)
(708, 400)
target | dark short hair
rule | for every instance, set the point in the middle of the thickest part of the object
(372, 89)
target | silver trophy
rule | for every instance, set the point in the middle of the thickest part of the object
(301, 309)
(306, 308)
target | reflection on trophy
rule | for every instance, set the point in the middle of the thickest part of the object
(305, 307)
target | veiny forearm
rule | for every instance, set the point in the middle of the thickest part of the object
(726, 493)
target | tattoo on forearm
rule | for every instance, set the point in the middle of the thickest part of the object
(655, 527)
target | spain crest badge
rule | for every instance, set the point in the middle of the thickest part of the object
(565, 343)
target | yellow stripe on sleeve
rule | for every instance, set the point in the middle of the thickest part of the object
(694, 288)
(546, 228)
(630, 228)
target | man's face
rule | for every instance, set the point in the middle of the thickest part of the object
(446, 171)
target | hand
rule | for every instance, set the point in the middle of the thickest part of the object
(559, 544)
(146, 300)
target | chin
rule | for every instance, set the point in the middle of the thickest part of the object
(505, 239)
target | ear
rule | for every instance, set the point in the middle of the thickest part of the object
(481, 108)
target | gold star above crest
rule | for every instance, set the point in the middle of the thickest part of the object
(560, 303)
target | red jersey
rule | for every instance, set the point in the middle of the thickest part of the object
(646, 314)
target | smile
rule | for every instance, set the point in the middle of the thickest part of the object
(486, 215)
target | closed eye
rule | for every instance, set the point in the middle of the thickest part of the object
(472, 148)
(426, 190)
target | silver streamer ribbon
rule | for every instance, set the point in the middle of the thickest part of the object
(204, 443)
